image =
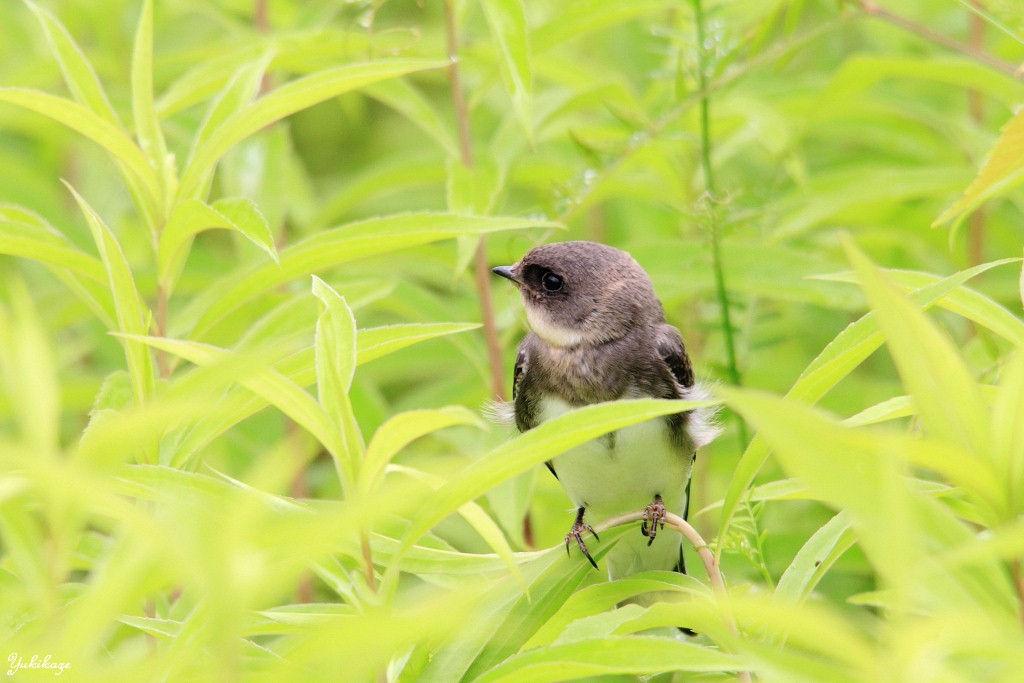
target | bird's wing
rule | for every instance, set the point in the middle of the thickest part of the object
(524, 415)
(518, 370)
(671, 349)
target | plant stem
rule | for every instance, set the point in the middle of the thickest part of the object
(481, 271)
(1017, 575)
(871, 9)
(163, 365)
(710, 194)
(975, 104)
(364, 542)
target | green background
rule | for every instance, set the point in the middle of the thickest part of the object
(209, 470)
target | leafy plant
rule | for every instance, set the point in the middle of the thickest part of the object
(262, 199)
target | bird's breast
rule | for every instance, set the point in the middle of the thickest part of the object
(622, 471)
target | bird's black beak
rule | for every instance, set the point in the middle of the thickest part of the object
(507, 273)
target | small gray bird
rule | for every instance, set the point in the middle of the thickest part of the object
(598, 333)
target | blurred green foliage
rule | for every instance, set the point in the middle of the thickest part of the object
(242, 366)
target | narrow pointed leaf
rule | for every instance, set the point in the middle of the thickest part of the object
(268, 384)
(1002, 170)
(899, 527)
(1008, 431)
(32, 372)
(191, 216)
(635, 655)
(286, 100)
(507, 22)
(476, 517)
(239, 92)
(837, 360)
(94, 127)
(335, 353)
(401, 430)
(132, 314)
(944, 392)
(404, 98)
(147, 127)
(333, 247)
(79, 75)
(814, 559)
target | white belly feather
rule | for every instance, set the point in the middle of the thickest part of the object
(625, 477)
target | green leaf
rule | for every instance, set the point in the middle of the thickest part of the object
(636, 655)
(78, 73)
(241, 89)
(107, 135)
(24, 234)
(944, 392)
(132, 314)
(890, 409)
(401, 430)
(191, 216)
(840, 195)
(963, 301)
(333, 247)
(534, 447)
(600, 597)
(1002, 170)
(40, 242)
(335, 353)
(1008, 431)
(473, 191)
(372, 343)
(814, 559)
(899, 527)
(577, 19)
(245, 217)
(406, 99)
(422, 560)
(507, 22)
(837, 360)
(31, 371)
(375, 342)
(147, 127)
(474, 515)
(860, 72)
(267, 383)
(531, 610)
(284, 101)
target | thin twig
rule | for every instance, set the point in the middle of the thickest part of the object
(481, 271)
(1017, 574)
(975, 104)
(975, 52)
(707, 557)
(163, 364)
(364, 542)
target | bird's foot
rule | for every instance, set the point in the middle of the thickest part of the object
(655, 514)
(576, 532)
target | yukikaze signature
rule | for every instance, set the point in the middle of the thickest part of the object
(16, 663)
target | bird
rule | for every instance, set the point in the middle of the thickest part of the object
(598, 333)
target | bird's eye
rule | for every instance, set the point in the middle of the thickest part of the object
(551, 282)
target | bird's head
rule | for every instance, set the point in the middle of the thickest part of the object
(582, 293)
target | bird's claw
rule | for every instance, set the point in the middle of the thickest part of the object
(655, 514)
(576, 532)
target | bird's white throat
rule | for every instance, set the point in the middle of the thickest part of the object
(551, 332)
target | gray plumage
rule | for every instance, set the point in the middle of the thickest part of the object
(598, 333)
